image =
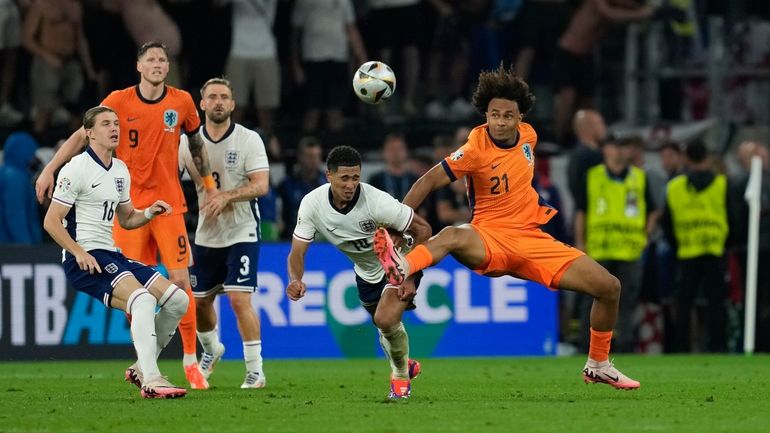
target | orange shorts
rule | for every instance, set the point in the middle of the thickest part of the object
(530, 254)
(164, 234)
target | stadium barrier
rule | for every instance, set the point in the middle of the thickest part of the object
(459, 313)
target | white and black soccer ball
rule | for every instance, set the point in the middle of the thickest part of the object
(374, 82)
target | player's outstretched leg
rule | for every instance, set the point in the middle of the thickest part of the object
(392, 261)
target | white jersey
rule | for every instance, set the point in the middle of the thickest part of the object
(237, 154)
(92, 192)
(351, 229)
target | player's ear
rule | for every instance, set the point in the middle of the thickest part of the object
(201, 104)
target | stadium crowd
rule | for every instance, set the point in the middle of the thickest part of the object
(290, 62)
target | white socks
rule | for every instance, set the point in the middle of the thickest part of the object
(395, 344)
(141, 306)
(252, 354)
(173, 305)
(209, 340)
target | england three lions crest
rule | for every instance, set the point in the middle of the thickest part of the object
(120, 184)
(367, 226)
(231, 159)
(170, 120)
(527, 151)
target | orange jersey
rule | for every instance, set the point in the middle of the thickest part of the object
(149, 142)
(499, 179)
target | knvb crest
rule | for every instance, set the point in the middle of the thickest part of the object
(120, 184)
(231, 158)
(527, 150)
(367, 226)
(170, 120)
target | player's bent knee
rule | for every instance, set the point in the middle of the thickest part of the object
(174, 300)
(610, 288)
(240, 301)
(385, 321)
(141, 302)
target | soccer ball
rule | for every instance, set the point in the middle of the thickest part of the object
(374, 82)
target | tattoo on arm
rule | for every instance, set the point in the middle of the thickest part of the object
(199, 155)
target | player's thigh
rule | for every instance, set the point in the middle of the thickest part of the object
(268, 83)
(136, 244)
(122, 291)
(464, 243)
(585, 275)
(170, 235)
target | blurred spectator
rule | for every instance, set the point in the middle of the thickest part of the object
(10, 39)
(739, 216)
(394, 29)
(590, 131)
(612, 222)
(19, 212)
(114, 57)
(307, 175)
(671, 159)
(696, 223)
(53, 33)
(574, 72)
(420, 163)
(452, 205)
(396, 179)
(252, 67)
(542, 22)
(322, 31)
(448, 57)
(556, 226)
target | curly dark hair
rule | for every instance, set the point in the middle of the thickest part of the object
(342, 156)
(505, 84)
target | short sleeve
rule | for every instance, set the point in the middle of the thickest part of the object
(112, 101)
(461, 162)
(390, 212)
(305, 229)
(191, 121)
(67, 186)
(256, 155)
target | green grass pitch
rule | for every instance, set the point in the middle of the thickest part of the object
(678, 394)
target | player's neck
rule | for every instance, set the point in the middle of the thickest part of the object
(216, 131)
(151, 91)
(104, 154)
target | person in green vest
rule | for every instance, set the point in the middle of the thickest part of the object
(695, 222)
(613, 218)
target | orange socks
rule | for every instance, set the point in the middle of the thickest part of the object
(419, 258)
(599, 348)
(187, 326)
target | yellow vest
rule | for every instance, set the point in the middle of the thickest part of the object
(699, 217)
(616, 215)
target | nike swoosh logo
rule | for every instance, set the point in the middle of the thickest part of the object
(494, 166)
(240, 280)
(614, 379)
(131, 119)
(94, 185)
(179, 260)
(331, 230)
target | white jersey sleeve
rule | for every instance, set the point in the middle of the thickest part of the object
(390, 212)
(305, 229)
(256, 155)
(68, 185)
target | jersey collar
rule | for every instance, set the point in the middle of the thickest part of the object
(96, 158)
(227, 133)
(503, 145)
(348, 207)
(147, 101)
